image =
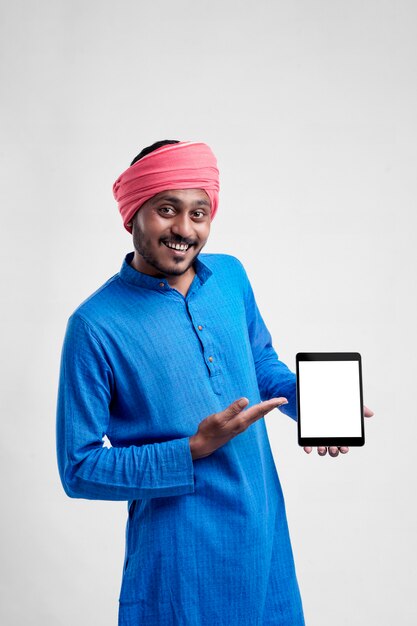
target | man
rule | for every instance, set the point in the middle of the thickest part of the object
(171, 362)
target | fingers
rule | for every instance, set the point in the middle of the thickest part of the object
(238, 423)
(257, 411)
(235, 408)
(367, 412)
(252, 414)
(333, 450)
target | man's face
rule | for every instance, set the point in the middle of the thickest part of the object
(179, 217)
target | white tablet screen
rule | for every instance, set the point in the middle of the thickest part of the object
(330, 399)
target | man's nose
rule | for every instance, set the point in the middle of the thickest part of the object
(182, 226)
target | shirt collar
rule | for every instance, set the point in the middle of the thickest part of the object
(129, 275)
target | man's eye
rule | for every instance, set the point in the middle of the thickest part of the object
(198, 214)
(165, 209)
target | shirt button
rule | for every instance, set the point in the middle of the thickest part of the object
(162, 284)
(200, 328)
(211, 359)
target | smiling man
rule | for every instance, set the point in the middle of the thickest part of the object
(171, 364)
(169, 232)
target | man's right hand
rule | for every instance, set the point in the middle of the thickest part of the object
(217, 429)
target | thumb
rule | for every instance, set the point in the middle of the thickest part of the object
(236, 407)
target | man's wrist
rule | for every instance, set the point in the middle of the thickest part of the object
(194, 447)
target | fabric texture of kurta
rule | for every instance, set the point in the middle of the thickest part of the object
(207, 541)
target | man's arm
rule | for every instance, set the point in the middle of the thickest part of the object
(275, 379)
(89, 470)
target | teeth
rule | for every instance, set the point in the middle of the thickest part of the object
(177, 246)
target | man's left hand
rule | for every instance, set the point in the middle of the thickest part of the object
(333, 451)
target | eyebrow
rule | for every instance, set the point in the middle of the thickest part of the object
(177, 201)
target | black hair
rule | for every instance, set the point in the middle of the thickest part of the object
(154, 146)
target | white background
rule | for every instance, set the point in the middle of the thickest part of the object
(310, 107)
(330, 403)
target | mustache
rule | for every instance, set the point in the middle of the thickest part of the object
(179, 240)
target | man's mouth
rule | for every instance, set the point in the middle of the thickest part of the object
(182, 247)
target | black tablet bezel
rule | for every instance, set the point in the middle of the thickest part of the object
(330, 441)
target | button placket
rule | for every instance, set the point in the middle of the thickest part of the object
(208, 352)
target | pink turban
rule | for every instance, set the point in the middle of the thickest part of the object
(184, 165)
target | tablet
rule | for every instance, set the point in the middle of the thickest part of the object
(329, 399)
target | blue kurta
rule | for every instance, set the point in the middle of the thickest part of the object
(207, 541)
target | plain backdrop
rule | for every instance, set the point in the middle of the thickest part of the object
(310, 107)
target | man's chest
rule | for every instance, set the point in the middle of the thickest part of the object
(169, 333)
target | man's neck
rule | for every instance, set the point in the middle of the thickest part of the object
(181, 283)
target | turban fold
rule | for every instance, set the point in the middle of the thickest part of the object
(183, 165)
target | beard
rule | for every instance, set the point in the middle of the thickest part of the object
(149, 252)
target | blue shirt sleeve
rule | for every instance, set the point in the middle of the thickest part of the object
(89, 470)
(275, 379)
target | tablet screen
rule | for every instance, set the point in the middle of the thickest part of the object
(329, 395)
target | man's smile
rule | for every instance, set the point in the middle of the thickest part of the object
(177, 249)
(177, 246)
